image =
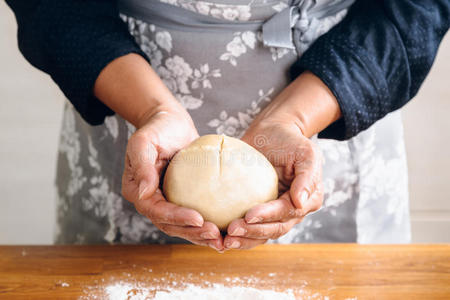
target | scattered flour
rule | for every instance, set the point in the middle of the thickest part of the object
(216, 292)
(220, 292)
(121, 291)
(171, 286)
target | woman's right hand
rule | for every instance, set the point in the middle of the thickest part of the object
(130, 87)
(158, 138)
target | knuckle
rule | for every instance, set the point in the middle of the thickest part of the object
(170, 218)
(307, 164)
(295, 213)
(279, 230)
(306, 151)
(262, 232)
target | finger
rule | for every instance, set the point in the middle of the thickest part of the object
(215, 244)
(280, 209)
(233, 242)
(159, 210)
(265, 231)
(307, 173)
(208, 231)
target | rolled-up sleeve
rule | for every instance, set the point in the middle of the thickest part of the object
(376, 59)
(72, 41)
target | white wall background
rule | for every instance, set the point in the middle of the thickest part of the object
(30, 117)
(427, 136)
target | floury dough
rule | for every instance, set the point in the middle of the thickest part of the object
(221, 177)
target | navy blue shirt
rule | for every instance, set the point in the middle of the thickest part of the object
(374, 61)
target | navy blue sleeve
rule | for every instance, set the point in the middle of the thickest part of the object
(72, 41)
(376, 59)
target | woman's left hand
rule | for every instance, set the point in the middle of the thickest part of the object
(279, 133)
(298, 163)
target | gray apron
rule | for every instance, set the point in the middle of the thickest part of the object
(225, 60)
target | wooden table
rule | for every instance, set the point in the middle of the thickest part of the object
(336, 271)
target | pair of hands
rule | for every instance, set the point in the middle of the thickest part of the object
(276, 132)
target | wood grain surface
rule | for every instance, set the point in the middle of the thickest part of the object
(325, 271)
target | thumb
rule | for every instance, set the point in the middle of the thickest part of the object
(308, 174)
(304, 184)
(147, 183)
(146, 175)
(140, 178)
(307, 188)
(301, 190)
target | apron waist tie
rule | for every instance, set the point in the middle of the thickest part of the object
(278, 30)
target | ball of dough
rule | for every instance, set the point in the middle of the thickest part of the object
(221, 177)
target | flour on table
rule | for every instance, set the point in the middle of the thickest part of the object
(60, 283)
(172, 286)
(216, 292)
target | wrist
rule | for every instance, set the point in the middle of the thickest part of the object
(130, 87)
(160, 107)
(307, 103)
